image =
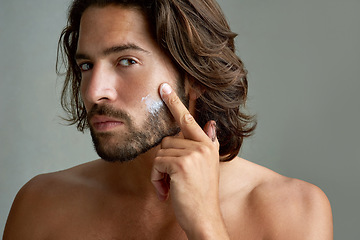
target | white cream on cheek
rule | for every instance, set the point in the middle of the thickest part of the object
(153, 106)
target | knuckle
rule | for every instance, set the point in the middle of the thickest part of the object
(160, 153)
(194, 158)
(188, 119)
(174, 100)
(203, 149)
(165, 141)
(157, 161)
(185, 163)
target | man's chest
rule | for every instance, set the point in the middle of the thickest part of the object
(91, 232)
(114, 223)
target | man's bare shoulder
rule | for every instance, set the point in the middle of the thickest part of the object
(283, 206)
(44, 201)
(57, 182)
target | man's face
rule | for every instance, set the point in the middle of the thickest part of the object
(122, 68)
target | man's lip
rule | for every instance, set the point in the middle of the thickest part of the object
(98, 119)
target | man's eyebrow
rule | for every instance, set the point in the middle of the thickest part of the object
(120, 48)
(114, 49)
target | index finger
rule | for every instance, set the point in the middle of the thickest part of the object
(188, 125)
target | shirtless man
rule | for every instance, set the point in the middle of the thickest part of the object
(158, 86)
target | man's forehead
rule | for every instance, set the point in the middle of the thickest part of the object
(112, 27)
(113, 15)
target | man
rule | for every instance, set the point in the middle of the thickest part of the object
(161, 89)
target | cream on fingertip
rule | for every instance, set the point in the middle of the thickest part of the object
(165, 89)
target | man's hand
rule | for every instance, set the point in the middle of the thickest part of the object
(186, 169)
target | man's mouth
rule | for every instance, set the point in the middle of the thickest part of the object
(103, 123)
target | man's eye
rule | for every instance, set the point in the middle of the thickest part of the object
(85, 67)
(126, 62)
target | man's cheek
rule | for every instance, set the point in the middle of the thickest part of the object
(153, 105)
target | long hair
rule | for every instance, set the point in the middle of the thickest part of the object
(197, 37)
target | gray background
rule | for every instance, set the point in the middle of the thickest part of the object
(303, 59)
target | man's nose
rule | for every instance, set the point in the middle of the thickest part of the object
(100, 86)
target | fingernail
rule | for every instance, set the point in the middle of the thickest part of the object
(165, 89)
(159, 196)
(213, 127)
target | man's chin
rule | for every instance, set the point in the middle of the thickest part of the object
(125, 152)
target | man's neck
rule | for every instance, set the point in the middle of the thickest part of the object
(133, 177)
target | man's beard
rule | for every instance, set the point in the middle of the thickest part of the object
(126, 145)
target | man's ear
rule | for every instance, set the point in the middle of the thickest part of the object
(193, 92)
(191, 89)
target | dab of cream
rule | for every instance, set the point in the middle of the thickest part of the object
(153, 106)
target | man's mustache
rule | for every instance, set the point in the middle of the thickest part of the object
(106, 110)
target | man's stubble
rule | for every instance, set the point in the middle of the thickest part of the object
(125, 146)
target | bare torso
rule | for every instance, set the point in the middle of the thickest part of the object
(82, 203)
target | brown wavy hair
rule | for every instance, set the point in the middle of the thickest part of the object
(197, 37)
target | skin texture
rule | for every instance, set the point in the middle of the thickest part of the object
(176, 190)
